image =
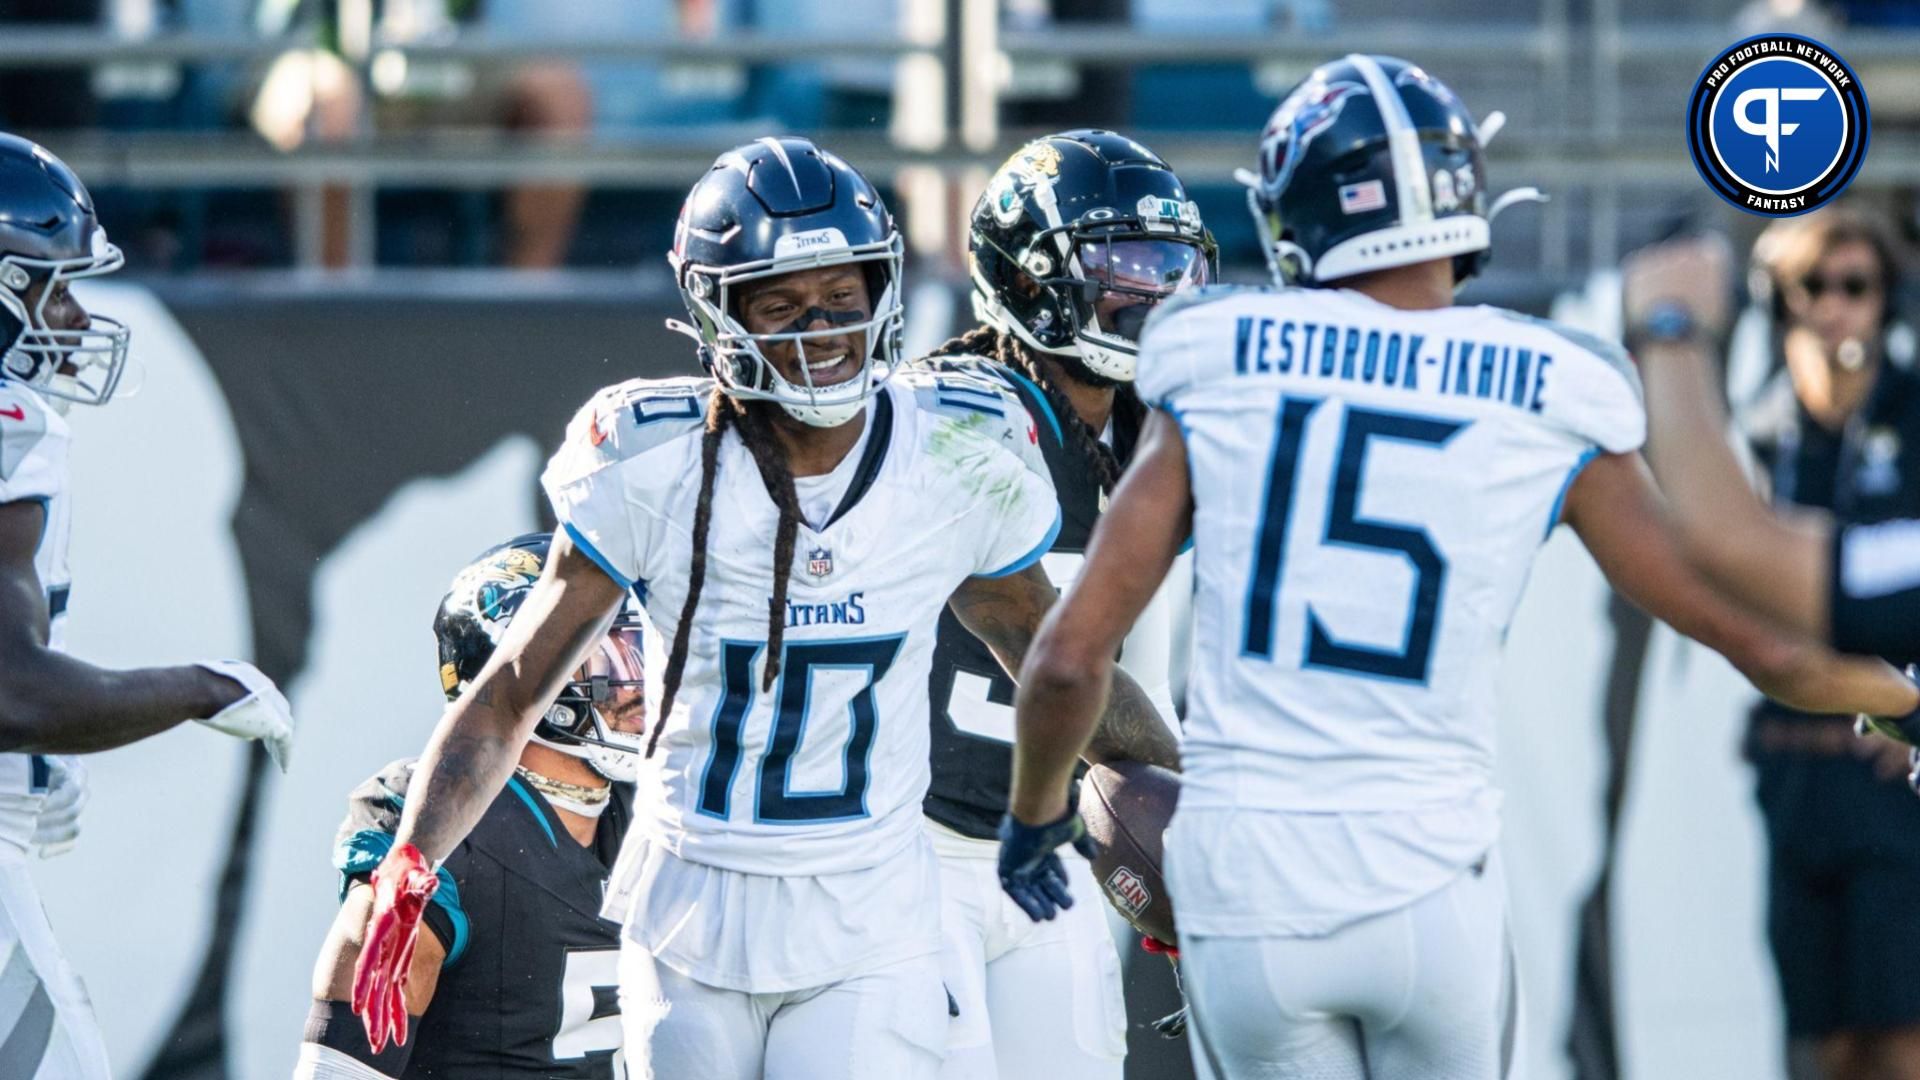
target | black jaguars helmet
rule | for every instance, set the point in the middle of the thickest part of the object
(771, 207)
(49, 235)
(1372, 163)
(1074, 241)
(474, 616)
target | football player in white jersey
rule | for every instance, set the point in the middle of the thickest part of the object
(793, 528)
(54, 706)
(1367, 471)
(1071, 244)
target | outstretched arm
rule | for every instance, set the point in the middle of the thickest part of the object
(466, 764)
(474, 748)
(1063, 683)
(1617, 512)
(1773, 563)
(1005, 613)
(52, 703)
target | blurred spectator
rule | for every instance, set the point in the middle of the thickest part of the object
(53, 98)
(317, 94)
(1838, 427)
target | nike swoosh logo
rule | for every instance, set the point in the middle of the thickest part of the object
(15, 413)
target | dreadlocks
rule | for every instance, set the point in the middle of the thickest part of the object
(1007, 350)
(756, 431)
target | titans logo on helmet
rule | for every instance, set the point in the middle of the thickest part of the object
(1778, 125)
(1287, 136)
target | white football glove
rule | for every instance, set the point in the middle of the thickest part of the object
(58, 827)
(263, 714)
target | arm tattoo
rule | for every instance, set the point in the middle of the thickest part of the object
(1006, 612)
(1131, 729)
(473, 751)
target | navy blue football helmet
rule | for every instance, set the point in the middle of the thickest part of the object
(474, 616)
(49, 235)
(1372, 163)
(771, 207)
(1074, 241)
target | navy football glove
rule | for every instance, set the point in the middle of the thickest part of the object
(1030, 870)
(1904, 729)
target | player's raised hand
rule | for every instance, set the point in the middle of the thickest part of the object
(261, 712)
(1030, 869)
(1691, 273)
(402, 885)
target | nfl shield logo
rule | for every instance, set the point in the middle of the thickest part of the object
(819, 562)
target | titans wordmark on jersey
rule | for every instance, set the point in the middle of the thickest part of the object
(1370, 487)
(33, 468)
(527, 991)
(825, 773)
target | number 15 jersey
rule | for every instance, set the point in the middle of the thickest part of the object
(1370, 487)
(824, 773)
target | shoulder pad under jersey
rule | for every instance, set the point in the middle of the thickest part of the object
(377, 801)
(1611, 353)
(978, 404)
(32, 444)
(628, 419)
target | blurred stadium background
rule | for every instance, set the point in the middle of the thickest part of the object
(379, 249)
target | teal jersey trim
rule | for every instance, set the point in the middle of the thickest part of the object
(1046, 408)
(361, 854)
(1560, 500)
(1045, 545)
(586, 548)
(514, 785)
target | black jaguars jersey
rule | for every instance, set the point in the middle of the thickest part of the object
(971, 698)
(528, 989)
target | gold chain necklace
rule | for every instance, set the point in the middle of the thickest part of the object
(560, 789)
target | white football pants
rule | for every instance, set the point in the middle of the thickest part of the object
(1423, 992)
(47, 1029)
(1038, 1001)
(889, 1024)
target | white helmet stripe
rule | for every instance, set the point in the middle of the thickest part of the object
(780, 152)
(1403, 142)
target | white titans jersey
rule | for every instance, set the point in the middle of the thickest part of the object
(825, 772)
(33, 468)
(1370, 488)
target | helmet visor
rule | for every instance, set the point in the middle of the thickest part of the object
(615, 679)
(1128, 277)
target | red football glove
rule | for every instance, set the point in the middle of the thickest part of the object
(402, 885)
(1159, 948)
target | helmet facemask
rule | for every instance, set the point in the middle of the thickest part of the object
(1097, 280)
(69, 365)
(611, 683)
(736, 354)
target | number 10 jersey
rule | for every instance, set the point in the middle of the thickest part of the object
(823, 773)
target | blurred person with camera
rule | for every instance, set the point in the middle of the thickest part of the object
(1836, 438)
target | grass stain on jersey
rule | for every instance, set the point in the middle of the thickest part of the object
(969, 448)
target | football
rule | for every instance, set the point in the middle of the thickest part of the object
(1126, 807)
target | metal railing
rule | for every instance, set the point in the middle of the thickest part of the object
(1587, 138)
